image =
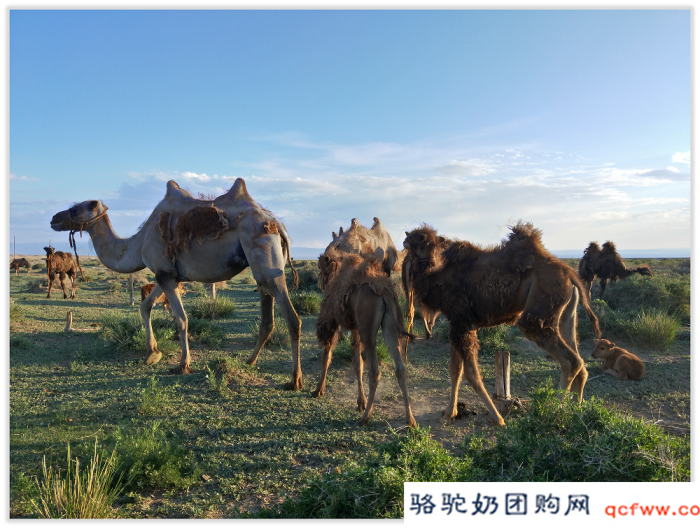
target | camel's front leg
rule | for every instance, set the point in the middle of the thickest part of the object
(62, 277)
(294, 325)
(51, 278)
(325, 364)
(172, 293)
(73, 282)
(267, 324)
(154, 355)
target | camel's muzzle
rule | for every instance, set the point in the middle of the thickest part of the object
(61, 221)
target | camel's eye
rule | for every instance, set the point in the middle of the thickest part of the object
(72, 212)
(93, 204)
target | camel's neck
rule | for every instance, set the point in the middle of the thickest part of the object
(425, 281)
(120, 255)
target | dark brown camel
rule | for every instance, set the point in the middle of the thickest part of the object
(62, 264)
(18, 263)
(516, 282)
(605, 264)
(358, 296)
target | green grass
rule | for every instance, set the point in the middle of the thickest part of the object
(211, 308)
(305, 302)
(228, 440)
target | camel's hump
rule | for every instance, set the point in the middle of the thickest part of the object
(237, 193)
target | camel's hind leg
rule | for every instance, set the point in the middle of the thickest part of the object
(358, 367)
(568, 323)
(541, 331)
(325, 364)
(172, 294)
(467, 345)
(267, 324)
(73, 281)
(153, 354)
(393, 341)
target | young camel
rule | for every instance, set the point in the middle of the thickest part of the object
(359, 297)
(606, 264)
(516, 282)
(62, 264)
(148, 288)
(18, 263)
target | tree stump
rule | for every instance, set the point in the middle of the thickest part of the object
(503, 399)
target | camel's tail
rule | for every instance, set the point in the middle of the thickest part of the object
(586, 302)
(295, 274)
(392, 307)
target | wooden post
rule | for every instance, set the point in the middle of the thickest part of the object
(503, 399)
(69, 322)
(131, 289)
(212, 289)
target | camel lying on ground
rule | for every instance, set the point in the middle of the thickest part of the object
(18, 263)
(606, 264)
(515, 282)
(148, 288)
(359, 297)
(227, 234)
(617, 361)
(64, 265)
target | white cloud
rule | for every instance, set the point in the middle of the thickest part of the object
(23, 178)
(465, 168)
(681, 157)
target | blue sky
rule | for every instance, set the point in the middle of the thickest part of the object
(578, 121)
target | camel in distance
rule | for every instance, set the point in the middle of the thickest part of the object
(606, 264)
(515, 282)
(18, 263)
(64, 265)
(188, 239)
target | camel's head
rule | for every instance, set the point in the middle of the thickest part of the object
(79, 215)
(603, 348)
(328, 266)
(49, 250)
(422, 243)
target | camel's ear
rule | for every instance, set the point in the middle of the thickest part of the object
(596, 340)
(407, 234)
(441, 239)
(612, 346)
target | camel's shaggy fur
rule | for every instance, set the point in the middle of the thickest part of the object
(148, 288)
(358, 296)
(617, 361)
(515, 282)
(16, 264)
(64, 265)
(606, 264)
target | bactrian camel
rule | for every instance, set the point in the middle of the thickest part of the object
(148, 288)
(64, 265)
(18, 263)
(516, 282)
(358, 296)
(605, 263)
(186, 239)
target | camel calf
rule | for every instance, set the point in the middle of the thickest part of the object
(148, 288)
(16, 264)
(359, 297)
(618, 362)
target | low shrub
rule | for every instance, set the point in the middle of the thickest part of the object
(305, 302)
(154, 398)
(211, 308)
(150, 457)
(37, 286)
(342, 352)
(39, 266)
(493, 339)
(308, 276)
(88, 493)
(121, 329)
(115, 286)
(280, 332)
(15, 311)
(205, 331)
(653, 328)
(559, 440)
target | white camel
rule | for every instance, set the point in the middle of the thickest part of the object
(186, 239)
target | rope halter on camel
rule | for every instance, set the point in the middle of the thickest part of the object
(75, 226)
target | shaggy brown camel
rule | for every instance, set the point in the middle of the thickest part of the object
(148, 288)
(64, 265)
(605, 264)
(515, 282)
(16, 264)
(359, 297)
(617, 361)
(250, 236)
